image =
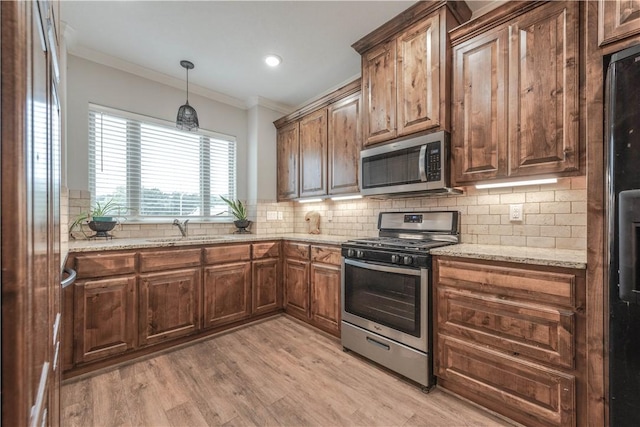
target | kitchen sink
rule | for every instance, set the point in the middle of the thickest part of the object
(184, 239)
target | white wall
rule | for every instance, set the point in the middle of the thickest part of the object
(262, 160)
(89, 82)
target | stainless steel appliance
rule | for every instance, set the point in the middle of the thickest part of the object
(623, 139)
(386, 288)
(407, 167)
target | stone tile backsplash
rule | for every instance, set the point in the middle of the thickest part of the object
(554, 216)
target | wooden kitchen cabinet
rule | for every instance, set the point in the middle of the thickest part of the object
(519, 332)
(344, 145)
(312, 277)
(319, 146)
(226, 285)
(267, 287)
(405, 72)
(169, 305)
(516, 93)
(313, 154)
(617, 20)
(288, 161)
(104, 318)
(296, 279)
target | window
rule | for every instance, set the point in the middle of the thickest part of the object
(156, 170)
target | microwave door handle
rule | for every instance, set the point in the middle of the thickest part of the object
(423, 163)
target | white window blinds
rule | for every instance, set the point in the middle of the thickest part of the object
(156, 170)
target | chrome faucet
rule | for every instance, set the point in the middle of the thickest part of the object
(182, 226)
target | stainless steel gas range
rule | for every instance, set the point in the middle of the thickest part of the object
(386, 289)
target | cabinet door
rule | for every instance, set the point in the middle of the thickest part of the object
(479, 127)
(169, 305)
(288, 155)
(344, 145)
(227, 293)
(105, 317)
(313, 154)
(543, 91)
(296, 284)
(617, 20)
(267, 291)
(418, 74)
(379, 93)
(325, 297)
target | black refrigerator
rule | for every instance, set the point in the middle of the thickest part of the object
(623, 216)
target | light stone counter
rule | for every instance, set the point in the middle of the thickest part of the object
(164, 242)
(539, 256)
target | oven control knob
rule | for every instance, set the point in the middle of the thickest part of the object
(395, 259)
(351, 253)
(407, 260)
(359, 254)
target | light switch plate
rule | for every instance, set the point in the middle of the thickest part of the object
(272, 215)
(515, 212)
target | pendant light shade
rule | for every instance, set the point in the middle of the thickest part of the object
(187, 117)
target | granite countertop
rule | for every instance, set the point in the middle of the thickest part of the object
(163, 242)
(539, 256)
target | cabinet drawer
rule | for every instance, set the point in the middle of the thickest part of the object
(166, 260)
(227, 253)
(326, 255)
(100, 265)
(526, 392)
(266, 250)
(545, 334)
(532, 284)
(296, 250)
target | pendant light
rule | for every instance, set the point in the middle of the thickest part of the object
(187, 117)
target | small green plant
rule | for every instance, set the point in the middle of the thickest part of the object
(238, 210)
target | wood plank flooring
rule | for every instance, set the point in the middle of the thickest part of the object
(279, 372)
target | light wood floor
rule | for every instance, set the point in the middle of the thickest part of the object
(278, 372)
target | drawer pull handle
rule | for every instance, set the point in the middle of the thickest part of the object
(378, 343)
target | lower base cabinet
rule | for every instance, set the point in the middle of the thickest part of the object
(312, 276)
(227, 293)
(511, 337)
(104, 317)
(169, 305)
(267, 292)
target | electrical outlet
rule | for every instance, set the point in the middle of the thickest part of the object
(515, 212)
(272, 215)
(280, 216)
(329, 216)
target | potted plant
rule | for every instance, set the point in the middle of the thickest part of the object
(239, 211)
(100, 218)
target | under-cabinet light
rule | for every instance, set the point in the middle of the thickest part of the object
(272, 60)
(352, 197)
(309, 200)
(517, 183)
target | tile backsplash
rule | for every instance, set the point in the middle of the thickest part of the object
(554, 216)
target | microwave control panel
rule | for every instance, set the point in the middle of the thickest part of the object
(434, 161)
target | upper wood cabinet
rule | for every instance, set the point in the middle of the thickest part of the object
(405, 72)
(288, 142)
(617, 20)
(313, 154)
(319, 146)
(344, 145)
(516, 93)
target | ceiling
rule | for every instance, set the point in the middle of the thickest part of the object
(228, 40)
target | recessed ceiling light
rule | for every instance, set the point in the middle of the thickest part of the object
(273, 60)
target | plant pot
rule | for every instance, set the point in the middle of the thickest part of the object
(241, 225)
(102, 227)
(102, 219)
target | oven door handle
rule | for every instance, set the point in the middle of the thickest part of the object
(383, 268)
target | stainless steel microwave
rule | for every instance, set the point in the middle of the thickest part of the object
(407, 167)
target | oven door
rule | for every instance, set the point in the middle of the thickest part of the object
(388, 300)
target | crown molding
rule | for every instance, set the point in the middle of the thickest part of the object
(128, 67)
(267, 103)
